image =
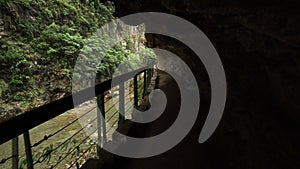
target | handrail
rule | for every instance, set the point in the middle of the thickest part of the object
(22, 123)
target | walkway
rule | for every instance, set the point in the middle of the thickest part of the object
(188, 154)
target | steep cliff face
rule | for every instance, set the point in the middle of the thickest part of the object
(259, 45)
(39, 43)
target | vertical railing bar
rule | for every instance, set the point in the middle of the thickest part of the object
(151, 74)
(121, 104)
(15, 153)
(103, 122)
(99, 131)
(145, 84)
(28, 150)
(135, 91)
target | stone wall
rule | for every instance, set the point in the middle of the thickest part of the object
(259, 45)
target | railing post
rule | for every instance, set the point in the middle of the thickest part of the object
(15, 153)
(145, 84)
(101, 123)
(135, 91)
(28, 150)
(98, 129)
(121, 104)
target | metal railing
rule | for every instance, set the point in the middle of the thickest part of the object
(10, 130)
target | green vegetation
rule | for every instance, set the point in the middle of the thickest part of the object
(44, 35)
(40, 42)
